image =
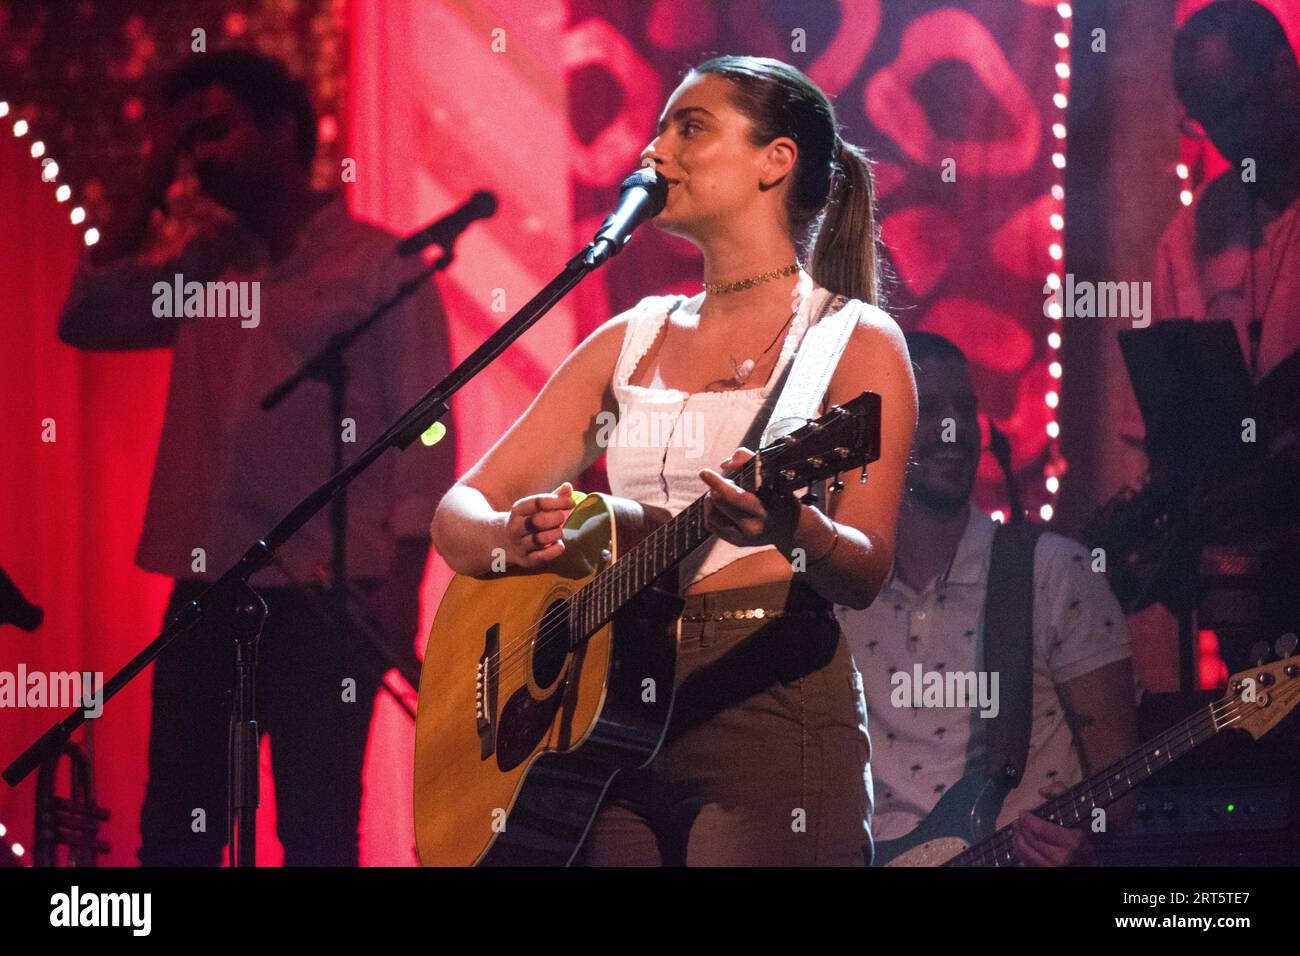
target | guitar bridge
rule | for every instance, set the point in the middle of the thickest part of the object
(485, 692)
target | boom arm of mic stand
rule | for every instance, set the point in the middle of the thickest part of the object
(414, 422)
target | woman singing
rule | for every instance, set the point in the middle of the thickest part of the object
(765, 757)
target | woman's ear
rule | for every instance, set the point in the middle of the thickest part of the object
(778, 161)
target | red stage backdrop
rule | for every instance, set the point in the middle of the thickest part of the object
(548, 104)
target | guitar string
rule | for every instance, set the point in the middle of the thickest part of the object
(994, 848)
(603, 584)
(517, 653)
(998, 850)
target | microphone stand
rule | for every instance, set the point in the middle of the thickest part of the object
(233, 606)
(330, 366)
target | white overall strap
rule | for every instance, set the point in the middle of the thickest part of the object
(814, 365)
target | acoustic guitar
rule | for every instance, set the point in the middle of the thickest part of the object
(539, 685)
(959, 830)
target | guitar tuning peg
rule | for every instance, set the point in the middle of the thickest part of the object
(1258, 653)
(809, 499)
(837, 485)
(1286, 645)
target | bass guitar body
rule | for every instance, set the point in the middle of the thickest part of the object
(965, 815)
(522, 722)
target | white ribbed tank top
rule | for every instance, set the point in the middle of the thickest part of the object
(665, 436)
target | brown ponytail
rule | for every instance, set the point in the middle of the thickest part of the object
(845, 245)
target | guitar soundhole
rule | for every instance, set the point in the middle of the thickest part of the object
(551, 645)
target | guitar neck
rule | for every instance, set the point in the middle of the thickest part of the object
(1075, 806)
(649, 559)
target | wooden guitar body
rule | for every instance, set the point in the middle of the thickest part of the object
(521, 726)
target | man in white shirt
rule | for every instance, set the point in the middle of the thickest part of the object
(930, 613)
(227, 470)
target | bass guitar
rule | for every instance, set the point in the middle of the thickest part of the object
(959, 830)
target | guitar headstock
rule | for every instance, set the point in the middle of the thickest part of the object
(847, 436)
(1259, 697)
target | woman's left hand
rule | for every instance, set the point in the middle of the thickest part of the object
(741, 517)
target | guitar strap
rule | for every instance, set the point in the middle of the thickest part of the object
(810, 373)
(1009, 650)
(807, 378)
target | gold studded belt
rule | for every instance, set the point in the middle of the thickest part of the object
(760, 613)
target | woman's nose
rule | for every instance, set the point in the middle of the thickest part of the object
(651, 153)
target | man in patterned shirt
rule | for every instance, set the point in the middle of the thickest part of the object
(930, 613)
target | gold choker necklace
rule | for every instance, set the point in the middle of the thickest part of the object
(721, 288)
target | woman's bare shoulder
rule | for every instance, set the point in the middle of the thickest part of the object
(875, 355)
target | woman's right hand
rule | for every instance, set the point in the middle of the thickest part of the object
(535, 527)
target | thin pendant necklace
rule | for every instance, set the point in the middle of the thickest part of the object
(741, 371)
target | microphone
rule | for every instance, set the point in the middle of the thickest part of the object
(14, 608)
(446, 230)
(641, 196)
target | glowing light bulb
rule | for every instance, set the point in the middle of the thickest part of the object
(92, 236)
(78, 215)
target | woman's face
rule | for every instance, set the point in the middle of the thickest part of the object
(713, 170)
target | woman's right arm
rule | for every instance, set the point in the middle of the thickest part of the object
(506, 500)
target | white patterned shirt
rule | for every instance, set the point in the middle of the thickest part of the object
(917, 753)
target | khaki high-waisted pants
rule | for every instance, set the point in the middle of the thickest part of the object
(765, 758)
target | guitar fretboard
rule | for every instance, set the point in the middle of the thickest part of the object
(645, 562)
(1075, 807)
